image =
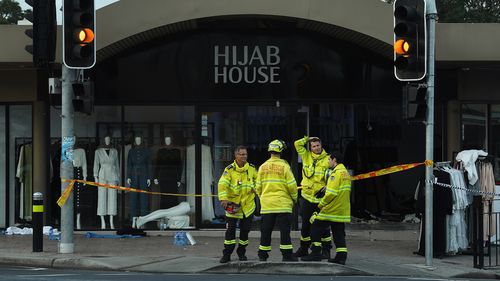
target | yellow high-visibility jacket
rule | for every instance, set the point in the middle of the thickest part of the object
(276, 186)
(336, 204)
(313, 170)
(237, 184)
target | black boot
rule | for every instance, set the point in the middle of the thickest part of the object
(263, 255)
(315, 255)
(241, 253)
(226, 253)
(225, 259)
(325, 250)
(340, 258)
(303, 250)
(288, 255)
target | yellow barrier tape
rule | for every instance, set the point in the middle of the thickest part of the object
(62, 200)
(64, 196)
(390, 170)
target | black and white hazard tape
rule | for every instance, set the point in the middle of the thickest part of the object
(463, 188)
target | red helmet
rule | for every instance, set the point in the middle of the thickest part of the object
(232, 208)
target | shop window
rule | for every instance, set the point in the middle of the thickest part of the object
(474, 127)
(20, 166)
(89, 138)
(3, 182)
(494, 135)
(251, 126)
(158, 144)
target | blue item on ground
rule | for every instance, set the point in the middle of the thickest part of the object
(180, 239)
(53, 236)
(95, 235)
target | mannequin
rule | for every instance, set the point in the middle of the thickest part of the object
(178, 213)
(80, 172)
(168, 172)
(106, 171)
(138, 176)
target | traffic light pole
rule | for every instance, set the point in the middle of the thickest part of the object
(429, 130)
(66, 245)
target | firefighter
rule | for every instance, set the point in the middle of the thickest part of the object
(335, 211)
(314, 166)
(236, 195)
(277, 189)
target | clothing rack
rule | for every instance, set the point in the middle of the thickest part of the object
(488, 158)
(442, 164)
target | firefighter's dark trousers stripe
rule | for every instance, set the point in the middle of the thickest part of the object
(338, 230)
(230, 237)
(306, 210)
(284, 221)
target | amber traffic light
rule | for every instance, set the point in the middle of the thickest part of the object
(410, 40)
(79, 34)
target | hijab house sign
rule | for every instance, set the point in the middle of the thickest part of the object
(246, 64)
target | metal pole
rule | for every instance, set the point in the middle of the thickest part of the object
(37, 222)
(429, 131)
(66, 246)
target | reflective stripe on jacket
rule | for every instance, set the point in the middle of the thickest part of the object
(276, 187)
(336, 205)
(313, 170)
(236, 185)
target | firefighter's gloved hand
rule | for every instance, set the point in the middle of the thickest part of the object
(313, 217)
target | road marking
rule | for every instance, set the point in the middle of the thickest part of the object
(47, 275)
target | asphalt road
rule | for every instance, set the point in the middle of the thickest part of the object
(19, 273)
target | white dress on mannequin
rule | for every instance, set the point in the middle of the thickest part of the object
(207, 179)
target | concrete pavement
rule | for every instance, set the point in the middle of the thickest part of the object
(372, 251)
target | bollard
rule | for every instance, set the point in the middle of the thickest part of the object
(37, 222)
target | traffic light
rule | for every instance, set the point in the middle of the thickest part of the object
(410, 40)
(83, 97)
(79, 49)
(415, 103)
(43, 33)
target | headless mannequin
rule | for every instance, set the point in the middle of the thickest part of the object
(137, 142)
(168, 142)
(107, 147)
(179, 210)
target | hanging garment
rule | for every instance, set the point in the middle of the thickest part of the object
(79, 173)
(25, 175)
(207, 179)
(456, 235)
(487, 184)
(139, 171)
(468, 158)
(442, 205)
(168, 171)
(107, 170)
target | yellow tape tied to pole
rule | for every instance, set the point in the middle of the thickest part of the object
(64, 197)
(390, 170)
